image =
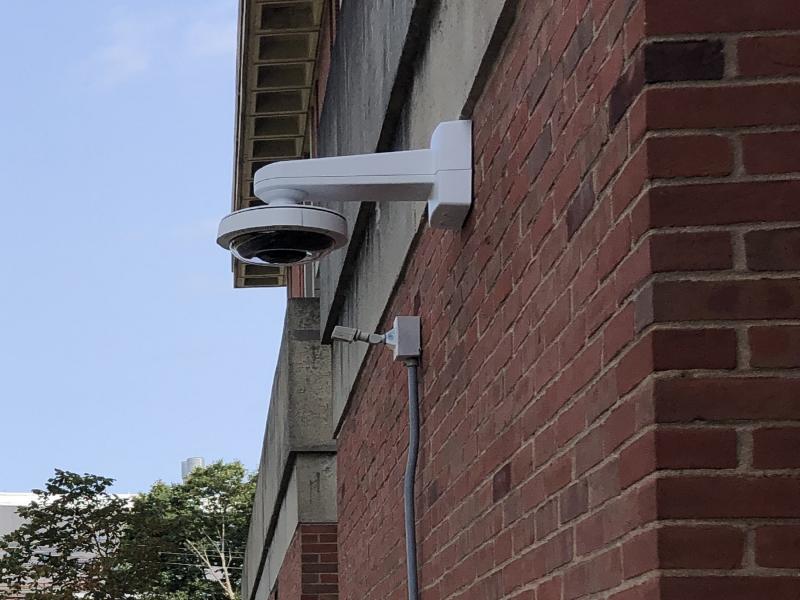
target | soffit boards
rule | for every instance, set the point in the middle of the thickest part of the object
(276, 65)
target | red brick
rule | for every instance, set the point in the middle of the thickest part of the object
(528, 443)
(648, 590)
(612, 158)
(720, 16)
(769, 56)
(680, 156)
(728, 300)
(632, 271)
(724, 203)
(574, 501)
(667, 349)
(599, 573)
(635, 365)
(615, 247)
(773, 250)
(772, 153)
(546, 519)
(689, 251)
(776, 448)
(550, 589)
(638, 460)
(554, 553)
(723, 106)
(618, 332)
(705, 497)
(778, 546)
(775, 347)
(640, 554)
(729, 588)
(728, 399)
(630, 182)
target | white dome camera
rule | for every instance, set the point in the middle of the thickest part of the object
(285, 231)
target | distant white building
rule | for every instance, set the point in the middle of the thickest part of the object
(9, 519)
(9, 503)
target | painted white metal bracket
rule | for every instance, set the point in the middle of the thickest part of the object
(441, 175)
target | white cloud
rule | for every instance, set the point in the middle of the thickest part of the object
(211, 38)
(128, 53)
(136, 43)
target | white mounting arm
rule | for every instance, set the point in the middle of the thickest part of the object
(441, 175)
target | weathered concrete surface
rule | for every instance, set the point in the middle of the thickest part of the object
(309, 498)
(370, 62)
(456, 37)
(297, 473)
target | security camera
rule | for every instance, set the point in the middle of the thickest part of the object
(287, 230)
(282, 233)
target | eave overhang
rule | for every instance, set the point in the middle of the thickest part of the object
(276, 66)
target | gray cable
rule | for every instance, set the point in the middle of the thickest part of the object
(412, 364)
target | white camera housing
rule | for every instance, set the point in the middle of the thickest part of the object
(284, 231)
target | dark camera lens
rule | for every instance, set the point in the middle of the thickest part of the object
(281, 257)
(281, 247)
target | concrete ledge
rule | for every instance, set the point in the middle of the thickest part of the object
(297, 472)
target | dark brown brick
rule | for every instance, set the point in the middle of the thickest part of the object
(725, 497)
(728, 588)
(778, 546)
(578, 44)
(775, 347)
(776, 448)
(769, 56)
(697, 107)
(700, 547)
(501, 482)
(772, 153)
(628, 87)
(539, 153)
(580, 207)
(666, 17)
(724, 203)
(726, 399)
(773, 250)
(728, 300)
(694, 349)
(684, 61)
(678, 156)
(696, 448)
(703, 251)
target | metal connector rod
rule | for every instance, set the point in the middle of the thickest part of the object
(350, 335)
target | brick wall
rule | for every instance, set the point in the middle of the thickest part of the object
(309, 570)
(610, 398)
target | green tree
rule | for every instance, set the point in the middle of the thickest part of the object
(187, 540)
(68, 545)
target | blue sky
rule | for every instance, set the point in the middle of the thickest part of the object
(123, 346)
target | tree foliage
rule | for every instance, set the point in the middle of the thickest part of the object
(67, 546)
(176, 542)
(189, 538)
